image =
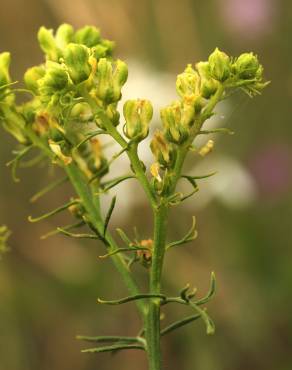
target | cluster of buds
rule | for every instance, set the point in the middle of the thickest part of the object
(196, 86)
(53, 45)
(79, 80)
(78, 64)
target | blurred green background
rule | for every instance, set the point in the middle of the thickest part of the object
(48, 289)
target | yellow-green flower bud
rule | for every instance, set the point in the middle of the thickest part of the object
(119, 78)
(48, 44)
(247, 66)
(88, 35)
(4, 68)
(208, 87)
(191, 105)
(109, 81)
(187, 83)
(14, 123)
(138, 114)
(81, 112)
(219, 63)
(171, 117)
(100, 51)
(76, 59)
(54, 80)
(113, 114)
(64, 35)
(161, 149)
(104, 89)
(31, 77)
(204, 69)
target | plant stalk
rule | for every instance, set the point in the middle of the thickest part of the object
(153, 316)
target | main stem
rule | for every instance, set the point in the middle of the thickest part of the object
(153, 316)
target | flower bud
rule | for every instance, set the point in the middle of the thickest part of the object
(190, 107)
(110, 82)
(14, 123)
(4, 68)
(203, 69)
(187, 83)
(99, 51)
(81, 112)
(31, 77)
(138, 114)
(88, 36)
(76, 59)
(120, 77)
(161, 149)
(104, 88)
(219, 65)
(171, 116)
(54, 80)
(64, 35)
(247, 66)
(48, 44)
(113, 114)
(57, 150)
(208, 87)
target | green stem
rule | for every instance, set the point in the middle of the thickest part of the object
(153, 318)
(160, 230)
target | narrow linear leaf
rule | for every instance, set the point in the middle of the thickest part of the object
(32, 162)
(190, 236)
(124, 237)
(132, 298)
(122, 250)
(107, 339)
(199, 177)
(55, 211)
(217, 130)
(109, 214)
(90, 136)
(78, 236)
(117, 155)
(211, 291)
(114, 182)
(14, 162)
(3, 87)
(113, 348)
(179, 324)
(67, 228)
(190, 194)
(48, 188)
(210, 326)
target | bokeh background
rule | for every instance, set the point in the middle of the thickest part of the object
(48, 288)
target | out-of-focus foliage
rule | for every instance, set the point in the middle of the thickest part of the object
(48, 288)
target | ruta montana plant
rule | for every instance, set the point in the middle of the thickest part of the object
(75, 94)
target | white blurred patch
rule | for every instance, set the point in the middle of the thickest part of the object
(233, 185)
